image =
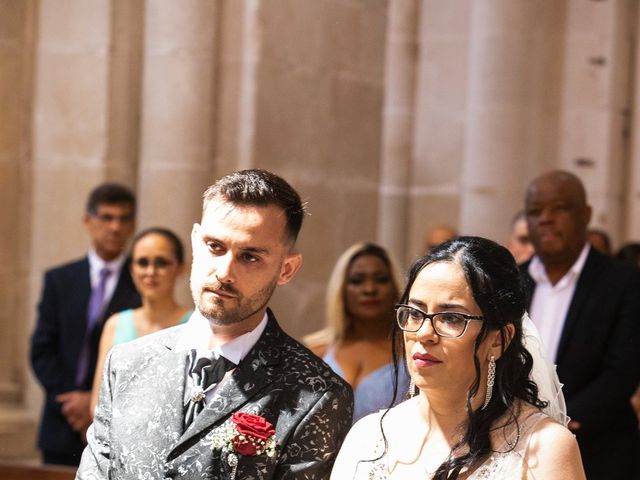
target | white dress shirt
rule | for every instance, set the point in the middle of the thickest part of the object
(550, 303)
(197, 334)
(115, 266)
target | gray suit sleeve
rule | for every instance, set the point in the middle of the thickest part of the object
(313, 446)
(96, 456)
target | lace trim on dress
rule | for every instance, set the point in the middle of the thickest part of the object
(506, 463)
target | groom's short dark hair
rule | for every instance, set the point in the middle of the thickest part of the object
(260, 188)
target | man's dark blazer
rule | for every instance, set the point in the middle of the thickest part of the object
(138, 425)
(599, 363)
(57, 340)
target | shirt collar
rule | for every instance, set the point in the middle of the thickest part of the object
(96, 263)
(197, 333)
(539, 274)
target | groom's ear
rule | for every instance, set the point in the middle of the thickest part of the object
(290, 266)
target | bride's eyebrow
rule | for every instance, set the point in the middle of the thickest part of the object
(418, 303)
(443, 306)
(455, 306)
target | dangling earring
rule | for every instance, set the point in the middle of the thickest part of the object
(491, 378)
(412, 389)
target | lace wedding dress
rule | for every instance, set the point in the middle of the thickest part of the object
(363, 455)
(506, 463)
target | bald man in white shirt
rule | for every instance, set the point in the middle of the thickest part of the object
(587, 307)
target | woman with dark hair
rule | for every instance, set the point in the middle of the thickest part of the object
(475, 410)
(157, 261)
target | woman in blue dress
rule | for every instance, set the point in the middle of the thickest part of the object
(356, 341)
(157, 261)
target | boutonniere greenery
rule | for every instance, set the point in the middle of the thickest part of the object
(246, 434)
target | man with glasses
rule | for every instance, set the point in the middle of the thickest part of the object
(587, 308)
(76, 299)
(519, 243)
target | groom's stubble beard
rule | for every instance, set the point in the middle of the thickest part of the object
(228, 311)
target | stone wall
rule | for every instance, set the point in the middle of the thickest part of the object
(388, 117)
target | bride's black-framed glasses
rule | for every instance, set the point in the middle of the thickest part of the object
(445, 324)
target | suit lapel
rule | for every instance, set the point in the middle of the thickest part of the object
(170, 368)
(587, 279)
(527, 283)
(252, 375)
(80, 286)
(123, 295)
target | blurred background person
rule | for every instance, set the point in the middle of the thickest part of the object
(519, 243)
(157, 261)
(630, 253)
(437, 236)
(599, 239)
(356, 342)
(586, 306)
(76, 299)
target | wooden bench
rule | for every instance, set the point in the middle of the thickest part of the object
(16, 471)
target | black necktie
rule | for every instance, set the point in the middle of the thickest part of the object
(204, 372)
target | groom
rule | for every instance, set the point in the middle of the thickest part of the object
(278, 411)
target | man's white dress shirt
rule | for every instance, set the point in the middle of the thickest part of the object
(550, 303)
(197, 334)
(96, 264)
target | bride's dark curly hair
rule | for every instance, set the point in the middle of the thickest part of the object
(493, 277)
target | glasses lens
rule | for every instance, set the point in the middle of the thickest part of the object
(159, 263)
(449, 324)
(409, 319)
(108, 218)
(162, 262)
(142, 262)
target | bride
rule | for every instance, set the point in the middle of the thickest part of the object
(484, 401)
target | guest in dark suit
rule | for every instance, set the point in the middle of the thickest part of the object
(587, 308)
(76, 299)
(228, 394)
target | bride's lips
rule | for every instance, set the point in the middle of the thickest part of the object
(422, 360)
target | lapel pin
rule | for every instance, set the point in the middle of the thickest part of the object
(197, 394)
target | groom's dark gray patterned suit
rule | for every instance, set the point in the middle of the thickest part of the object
(138, 432)
(243, 249)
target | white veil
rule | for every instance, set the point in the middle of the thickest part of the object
(544, 373)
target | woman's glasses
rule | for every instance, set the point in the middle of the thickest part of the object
(159, 263)
(445, 324)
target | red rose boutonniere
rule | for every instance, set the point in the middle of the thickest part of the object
(255, 436)
(246, 434)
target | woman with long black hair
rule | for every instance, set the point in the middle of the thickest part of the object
(484, 402)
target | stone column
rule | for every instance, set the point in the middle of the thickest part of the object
(177, 120)
(632, 217)
(17, 31)
(595, 102)
(60, 155)
(398, 129)
(439, 119)
(124, 96)
(507, 94)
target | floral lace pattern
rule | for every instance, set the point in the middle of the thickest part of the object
(138, 428)
(505, 464)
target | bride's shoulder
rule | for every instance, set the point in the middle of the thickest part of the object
(552, 452)
(369, 428)
(548, 437)
(364, 441)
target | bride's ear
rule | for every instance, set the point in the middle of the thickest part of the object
(501, 340)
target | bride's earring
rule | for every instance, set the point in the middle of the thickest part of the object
(491, 378)
(412, 389)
